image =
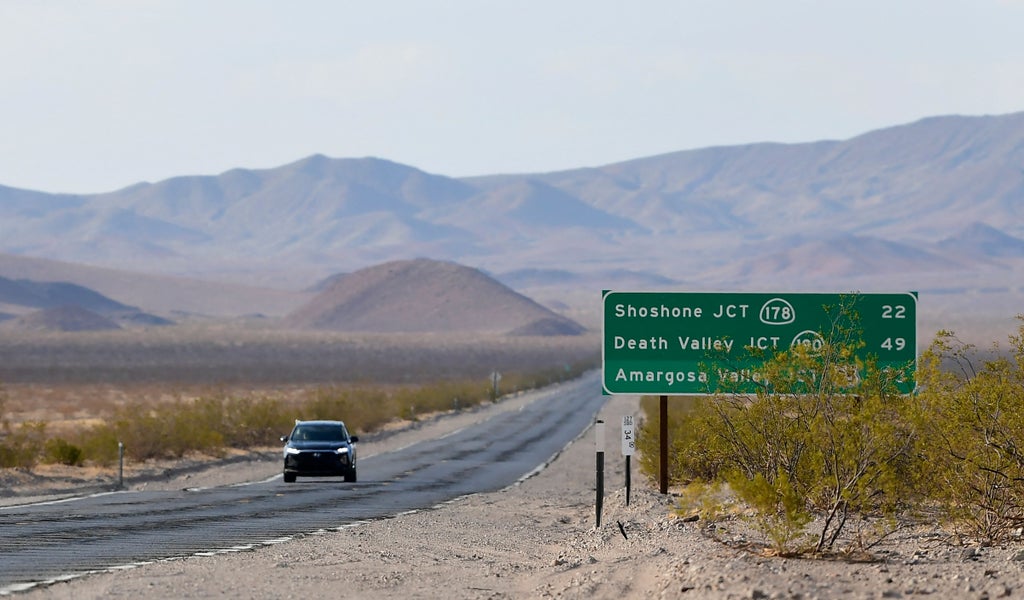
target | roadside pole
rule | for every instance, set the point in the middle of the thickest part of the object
(599, 435)
(495, 378)
(120, 465)
(663, 444)
(628, 447)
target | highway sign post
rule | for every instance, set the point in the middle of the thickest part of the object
(705, 343)
(599, 442)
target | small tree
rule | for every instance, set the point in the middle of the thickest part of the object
(22, 446)
(60, 451)
(826, 431)
(972, 417)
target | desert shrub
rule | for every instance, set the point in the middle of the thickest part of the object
(842, 450)
(782, 510)
(3, 408)
(445, 396)
(141, 433)
(972, 417)
(214, 421)
(196, 426)
(254, 421)
(519, 380)
(836, 452)
(811, 439)
(362, 409)
(692, 454)
(21, 447)
(60, 451)
(99, 444)
(367, 408)
(169, 430)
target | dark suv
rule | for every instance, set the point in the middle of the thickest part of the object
(319, 449)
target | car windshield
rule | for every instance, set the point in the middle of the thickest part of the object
(319, 433)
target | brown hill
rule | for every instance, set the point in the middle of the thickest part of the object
(63, 318)
(161, 294)
(424, 296)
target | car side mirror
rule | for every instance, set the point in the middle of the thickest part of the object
(353, 439)
(284, 438)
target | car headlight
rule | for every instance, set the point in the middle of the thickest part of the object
(290, 450)
(342, 450)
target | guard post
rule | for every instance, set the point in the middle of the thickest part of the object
(628, 447)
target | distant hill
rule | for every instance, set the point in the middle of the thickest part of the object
(69, 307)
(979, 239)
(62, 318)
(426, 296)
(49, 294)
(161, 294)
(325, 283)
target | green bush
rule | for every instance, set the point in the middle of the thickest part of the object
(22, 447)
(782, 513)
(171, 430)
(812, 440)
(258, 421)
(60, 451)
(362, 409)
(4, 425)
(217, 421)
(99, 445)
(971, 414)
(367, 408)
(516, 381)
(142, 432)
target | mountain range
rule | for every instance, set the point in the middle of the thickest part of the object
(936, 206)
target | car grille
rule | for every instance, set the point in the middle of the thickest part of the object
(317, 461)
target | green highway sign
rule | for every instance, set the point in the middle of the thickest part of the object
(680, 343)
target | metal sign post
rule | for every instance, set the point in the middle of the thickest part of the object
(599, 435)
(663, 445)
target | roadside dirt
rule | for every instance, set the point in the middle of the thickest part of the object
(538, 539)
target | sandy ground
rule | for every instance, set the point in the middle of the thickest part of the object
(538, 539)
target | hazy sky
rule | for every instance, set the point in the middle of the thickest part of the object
(98, 94)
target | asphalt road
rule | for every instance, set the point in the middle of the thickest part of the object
(47, 542)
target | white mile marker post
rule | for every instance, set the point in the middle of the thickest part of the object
(628, 447)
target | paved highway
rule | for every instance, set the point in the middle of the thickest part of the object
(46, 542)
